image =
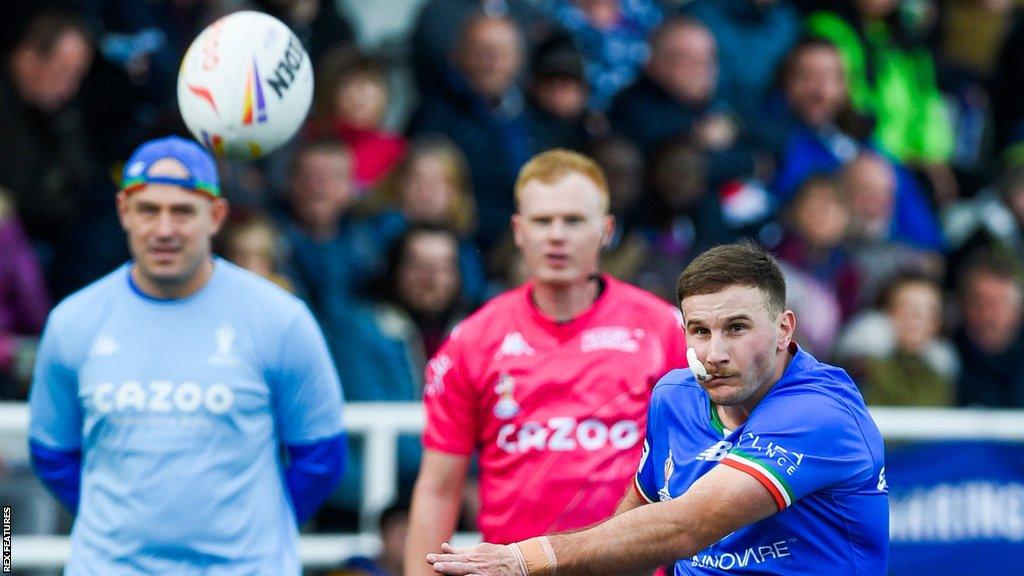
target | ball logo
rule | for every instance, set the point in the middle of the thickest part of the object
(210, 44)
(287, 67)
(254, 97)
(162, 397)
(213, 142)
(205, 94)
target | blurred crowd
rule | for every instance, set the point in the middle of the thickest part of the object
(875, 146)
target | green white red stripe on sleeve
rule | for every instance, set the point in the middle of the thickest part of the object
(775, 484)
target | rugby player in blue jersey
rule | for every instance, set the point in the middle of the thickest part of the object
(166, 393)
(771, 465)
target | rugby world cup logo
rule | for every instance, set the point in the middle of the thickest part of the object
(506, 407)
(670, 467)
(254, 106)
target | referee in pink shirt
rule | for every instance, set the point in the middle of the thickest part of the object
(549, 382)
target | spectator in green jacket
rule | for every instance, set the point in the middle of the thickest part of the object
(891, 76)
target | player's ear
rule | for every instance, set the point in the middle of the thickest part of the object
(517, 230)
(219, 213)
(121, 200)
(608, 230)
(786, 327)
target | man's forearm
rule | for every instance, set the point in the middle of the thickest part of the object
(431, 521)
(721, 502)
(636, 540)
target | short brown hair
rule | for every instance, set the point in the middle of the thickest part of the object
(740, 264)
(991, 263)
(42, 28)
(551, 166)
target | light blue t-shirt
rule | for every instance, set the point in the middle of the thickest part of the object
(180, 408)
(810, 442)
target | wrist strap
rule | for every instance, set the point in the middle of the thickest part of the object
(537, 555)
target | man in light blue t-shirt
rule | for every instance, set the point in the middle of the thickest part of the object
(759, 459)
(166, 393)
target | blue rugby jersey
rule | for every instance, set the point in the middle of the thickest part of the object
(180, 408)
(810, 442)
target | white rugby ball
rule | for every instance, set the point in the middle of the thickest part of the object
(245, 85)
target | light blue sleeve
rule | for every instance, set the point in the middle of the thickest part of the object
(54, 406)
(306, 391)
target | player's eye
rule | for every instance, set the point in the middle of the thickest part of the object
(737, 327)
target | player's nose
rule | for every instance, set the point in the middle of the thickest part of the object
(557, 230)
(717, 350)
(165, 225)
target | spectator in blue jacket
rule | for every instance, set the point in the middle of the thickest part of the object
(753, 37)
(612, 35)
(481, 109)
(330, 252)
(675, 97)
(410, 313)
(823, 135)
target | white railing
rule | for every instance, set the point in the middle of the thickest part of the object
(380, 424)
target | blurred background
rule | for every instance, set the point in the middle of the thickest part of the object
(875, 146)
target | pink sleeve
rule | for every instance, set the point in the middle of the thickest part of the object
(450, 400)
(675, 343)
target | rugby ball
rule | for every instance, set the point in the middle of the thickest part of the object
(245, 85)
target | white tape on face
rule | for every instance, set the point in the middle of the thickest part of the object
(697, 366)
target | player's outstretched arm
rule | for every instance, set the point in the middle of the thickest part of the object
(436, 499)
(722, 501)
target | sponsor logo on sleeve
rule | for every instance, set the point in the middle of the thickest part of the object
(436, 369)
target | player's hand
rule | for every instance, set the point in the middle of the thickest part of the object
(482, 559)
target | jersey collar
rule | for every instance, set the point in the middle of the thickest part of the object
(569, 328)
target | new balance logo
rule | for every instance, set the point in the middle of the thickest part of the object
(514, 345)
(716, 453)
(104, 346)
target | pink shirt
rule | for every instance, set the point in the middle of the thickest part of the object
(556, 411)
